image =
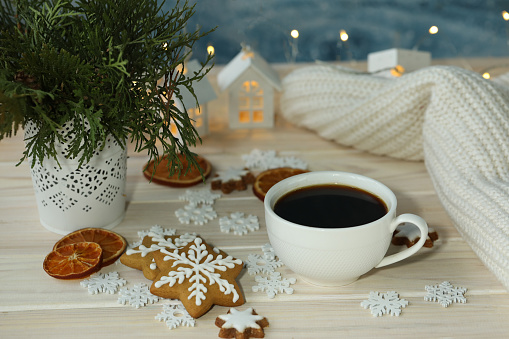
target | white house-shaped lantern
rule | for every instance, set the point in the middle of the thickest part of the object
(250, 82)
(396, 61)
(204, 93)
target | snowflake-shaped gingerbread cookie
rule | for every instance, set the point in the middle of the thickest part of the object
(274, 284)
(108, 282)
(174, 316)
(445, 294)
(141, 257)
(138, 296)
(384, 303)
(238, 223)
(199, 275)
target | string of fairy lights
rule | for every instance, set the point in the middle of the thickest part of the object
(343, 44)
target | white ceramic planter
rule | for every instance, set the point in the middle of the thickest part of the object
(70, 197)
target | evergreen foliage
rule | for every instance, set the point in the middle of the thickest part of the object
(114, 63)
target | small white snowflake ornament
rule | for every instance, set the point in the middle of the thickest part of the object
(175, 315)
(138, 296)
(259, 159)
(445, 294)
(238, 223)
(384, 303)
(154, 230)
(259, 264)
(264, 160)
(199, 215)
(98, 282)
(200, 196)
(294, 162)
(159, 230)
(268, 252)
(274, 284)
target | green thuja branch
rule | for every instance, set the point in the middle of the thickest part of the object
(104, 67)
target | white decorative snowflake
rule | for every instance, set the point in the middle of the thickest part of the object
(268, 252)
(274, 284)
(98, 282)
(156, 229)
(174, 316)
(264, 160)
(200, 196)
(293, 162)
(238, 223)
(384, 303)
(258, 159)
(199, 271)
(199, 215)
(445, 294)
(258, 264)
(138, 296)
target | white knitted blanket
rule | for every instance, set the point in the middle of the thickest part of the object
(453, 119)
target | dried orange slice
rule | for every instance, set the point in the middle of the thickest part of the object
(192, 177)
(74, 261)
(112, 244)
(266, 179)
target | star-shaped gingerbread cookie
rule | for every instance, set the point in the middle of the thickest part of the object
(142, 256)
(199, 275)
(241, 324)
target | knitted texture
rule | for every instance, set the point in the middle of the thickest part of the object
(453, 119)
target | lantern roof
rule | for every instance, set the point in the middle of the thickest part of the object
(247, 59)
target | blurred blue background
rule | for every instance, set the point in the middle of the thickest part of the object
(467, 28)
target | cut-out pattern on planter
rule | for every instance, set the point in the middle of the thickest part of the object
(70, 196)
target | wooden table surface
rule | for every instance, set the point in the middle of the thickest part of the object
(32, 304)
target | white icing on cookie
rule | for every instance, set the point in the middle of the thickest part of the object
(241, 320)
(231, 174)
(411, 233)
(200, 267)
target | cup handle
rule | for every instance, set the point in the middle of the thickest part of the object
(412, 219)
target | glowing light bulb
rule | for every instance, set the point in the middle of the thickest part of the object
(294, 33)
(505, 15)
(486, 75)
(210, 49)
(342, 35)
(398, 71)
(433, 30)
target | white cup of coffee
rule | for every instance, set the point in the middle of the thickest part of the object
(324, 232)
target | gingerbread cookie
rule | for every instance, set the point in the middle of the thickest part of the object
(409, 236)
(232, 179)
(241, 324)
(199, 275)
(142, 256)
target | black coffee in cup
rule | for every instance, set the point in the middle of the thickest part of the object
(330, 206)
